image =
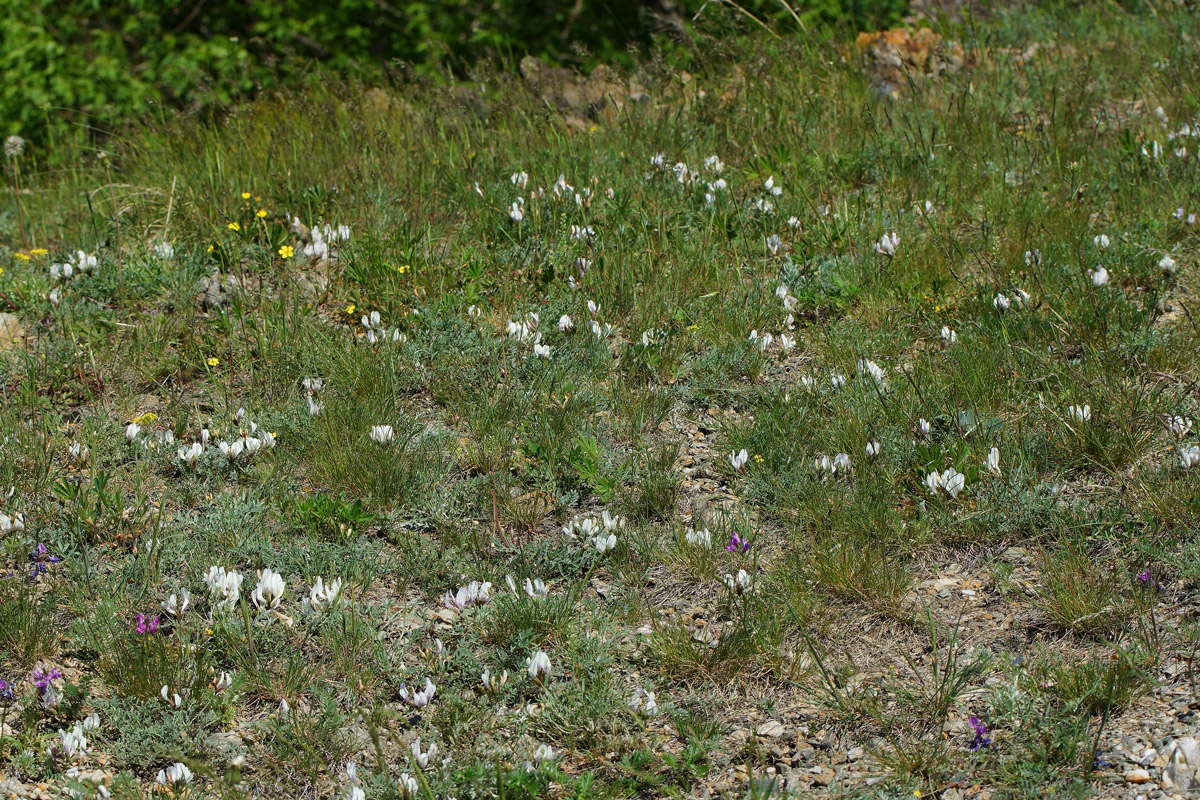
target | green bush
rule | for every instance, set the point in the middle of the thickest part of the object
(84, 65)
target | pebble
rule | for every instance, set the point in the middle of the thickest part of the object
(1137, 776)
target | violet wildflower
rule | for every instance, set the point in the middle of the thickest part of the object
(737, 544)
(7, 695)
(145, 625)
(43, 681)
(980, 729)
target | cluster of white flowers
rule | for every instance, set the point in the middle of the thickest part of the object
(474, 593)
(951, 482)
(833, 467)
(224, 586)
(602, 535)
(82, 264)
(374, 330)
(418, 699)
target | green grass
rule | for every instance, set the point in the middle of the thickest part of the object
(844, 621)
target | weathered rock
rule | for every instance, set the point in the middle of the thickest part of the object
(12, 332)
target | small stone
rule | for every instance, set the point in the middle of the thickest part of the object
(772, 728)
(1137, 776)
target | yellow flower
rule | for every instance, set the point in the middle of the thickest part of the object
(245, 195)
(149, 416)
(233, 226)
(286, 251)
(213, 361)
(37, 252)
(1, 270)
(21, 256)
(261, 213)
(693, 327)
(403, 268)
(210, 249)
(758, 458)
(350, 308)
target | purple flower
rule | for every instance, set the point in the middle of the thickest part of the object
(145, 625)
(6, 691)
(41, 678)
(737, 544)
(980, 729)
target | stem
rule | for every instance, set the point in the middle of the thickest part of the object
(20, 212)
(112, 195)
(249, 634)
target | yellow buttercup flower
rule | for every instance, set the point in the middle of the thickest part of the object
(286, 251)
(233, 226)
(403, 268)
(245, 195)
(261, 213)
(213, 361)
(350, 308)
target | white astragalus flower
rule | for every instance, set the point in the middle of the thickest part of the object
(177, 603)
(738, 459)
(993, 461)
(419, 699)
(868, 368)
(538, 666)
(1080, 414)
(224, 586)
(643, 702)
(177, 773)
(887, 244)
(382, 434)
(269, 592)
(699, 538)
(190, 456)
(1189, 456)
(322, 595)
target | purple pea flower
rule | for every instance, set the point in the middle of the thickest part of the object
(737, 544)
(145, 625)
(980, 729)
(43, 681)
(6, 691)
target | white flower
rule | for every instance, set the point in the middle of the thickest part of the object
(419, 699)
(541, 350)
(538, 666)
(1166, 265)
(773, 243)
(643, 702)
(474, 592)
(269, 591)
(867, 367)
(91, 722)
(177, 604)
(601, 330)
(131, 432)
(1033, 258)
(838, 380)
(592, 308)
(739, 584)
(786, 343)
(324, 594)
(765, 341)
(224, 586)
(738, 460)
(314, 408)
(1080, 414)
(493, 684)
(933, 481)
(514, 211)
(1189, 456)
(1155, 151)
(176, 773)
(424, 758)
(1021, 298)
(605, 543)
(1099, 276)
(223, 681)
(714, 164)
(565, 324)
(71, 744)
(1179, 426)
(873, 449)
(701, 538)
(993, 461)
(382, 434)
(407, 786)
(170, 698)
(582, 233)
(164, 250)
(1101, 241)
(544, 753)
(949, 336)
(1001, 303)
(520, 179)
(887, 244)
(953, 481)
(14, 523)
(78, 452)
(771, 188)
(808, 383)
(191, 455)
(793, 222)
